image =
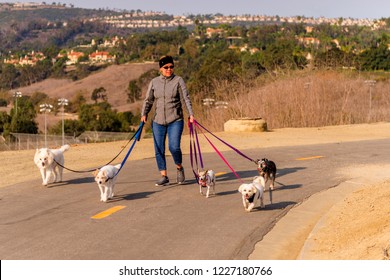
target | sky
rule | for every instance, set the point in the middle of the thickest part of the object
(372, 9)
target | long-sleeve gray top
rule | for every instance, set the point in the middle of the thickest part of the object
(168, 92)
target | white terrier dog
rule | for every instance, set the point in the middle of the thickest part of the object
(46, 159)
(105, 178)
(253, 192)
(206, 180)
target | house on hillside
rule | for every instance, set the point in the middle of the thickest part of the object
(112, 42)
(101, 56)
(73, 57)
(309, 41)
(30, 58)
(214, 31)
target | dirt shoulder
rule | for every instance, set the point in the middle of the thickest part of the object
(355, 227)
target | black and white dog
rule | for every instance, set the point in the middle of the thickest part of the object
(267, 169)
(252, 193)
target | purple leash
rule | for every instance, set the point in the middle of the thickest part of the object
(230, 146)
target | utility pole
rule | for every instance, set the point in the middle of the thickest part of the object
(63, 102)
(45, 108)
(17, 94)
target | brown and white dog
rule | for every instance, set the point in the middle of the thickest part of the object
(105, 178)
(267, 169)
(253, 192)
(46, 160)
(206, 180)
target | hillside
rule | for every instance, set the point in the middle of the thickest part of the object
(114, 79)
(48, 12)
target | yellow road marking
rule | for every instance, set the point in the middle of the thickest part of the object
(108, 212)
(308, 158)
(219, 174)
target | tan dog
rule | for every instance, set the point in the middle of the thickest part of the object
(46, 160)
(105, 178)
(253, 192)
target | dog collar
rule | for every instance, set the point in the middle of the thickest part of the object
(251, 198)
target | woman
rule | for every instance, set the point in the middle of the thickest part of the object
(168, 91)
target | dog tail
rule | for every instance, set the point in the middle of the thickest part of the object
(64, 148)
(118, 166)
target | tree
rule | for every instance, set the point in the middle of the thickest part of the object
(23, 121)
(376, 58)
(8, 77)
(99, 117)
(99, 93)
(191, 48)
(134, 91)
(77, 101)
(283, 54)
(71, 128)
(126, 119)
(38, 97)
(5, 121)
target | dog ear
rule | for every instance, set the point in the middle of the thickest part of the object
(95, 173)
(240, 188)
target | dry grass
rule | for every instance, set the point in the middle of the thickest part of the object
(304, 99)
(316, 99)
(297, 99)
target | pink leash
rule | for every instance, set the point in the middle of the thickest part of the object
(217, 151)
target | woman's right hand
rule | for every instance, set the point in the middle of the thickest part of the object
(144, 119)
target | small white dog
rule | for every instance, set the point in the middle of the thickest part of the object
(105, 178)
(253, 192)
(46, 159)
(206, 180)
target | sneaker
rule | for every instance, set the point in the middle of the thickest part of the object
(180, 176)
(163, 181)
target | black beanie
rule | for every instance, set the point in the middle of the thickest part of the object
(165, 60)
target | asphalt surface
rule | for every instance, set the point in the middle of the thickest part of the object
(65, 221)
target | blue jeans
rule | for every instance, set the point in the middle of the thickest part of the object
(174, 131)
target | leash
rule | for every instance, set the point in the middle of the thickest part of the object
(136, 135)
(219, 153)
(230, 146)
(194, 145)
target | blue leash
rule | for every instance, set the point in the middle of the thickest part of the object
(137, 137)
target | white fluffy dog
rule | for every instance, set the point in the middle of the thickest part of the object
(253, 192)
(206, 179)
(105, 178)
(46, 159)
